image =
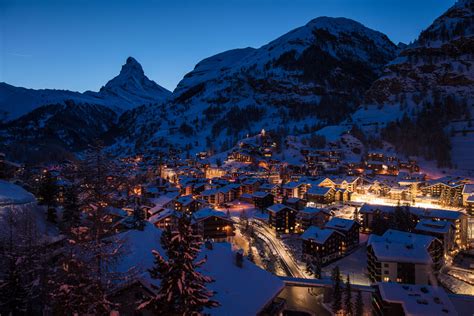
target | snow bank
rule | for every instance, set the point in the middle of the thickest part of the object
(11, 194)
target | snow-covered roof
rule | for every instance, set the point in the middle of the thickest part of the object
(208, 212)
(292, 185)
(275, 208)
(260, 194)
(339, 223)
(468, 189)
(162, 215)
(185, 199)
(429, 225)
(418, 211)
(319, 190)
(235, 294)
(13, 194)
(313, 210)
(239, 291)
(399, 246)
(417, 300)
(293, 200)
(318, 235)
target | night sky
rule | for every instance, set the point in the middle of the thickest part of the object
(80, 45)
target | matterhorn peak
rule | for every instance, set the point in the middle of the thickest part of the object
(131, 67)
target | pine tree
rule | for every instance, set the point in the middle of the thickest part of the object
(71, 207)
(317, 267)
(47, 194)
(21, 263)
(348, 297)
(73, 285)
(359, 304)
(97, 176)
(13, 294)
(182, 290)
(336, 290)
(313, 266)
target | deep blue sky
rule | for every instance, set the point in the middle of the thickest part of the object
(81, 44)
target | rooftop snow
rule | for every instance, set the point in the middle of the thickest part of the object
(417, 300)
(319, 235)
(13, 194)
(339, 223)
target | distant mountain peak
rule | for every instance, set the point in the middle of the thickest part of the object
(132, 66)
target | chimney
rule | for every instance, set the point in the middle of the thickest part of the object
(239, 259)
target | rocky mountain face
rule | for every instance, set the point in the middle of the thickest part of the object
(129, 89)
(310, 77)
(424, 99)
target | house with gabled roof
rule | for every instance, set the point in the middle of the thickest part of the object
(322, 243)
(282, 218)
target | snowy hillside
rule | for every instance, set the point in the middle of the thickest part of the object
(310, 77)
(431, 83)
(129, 89)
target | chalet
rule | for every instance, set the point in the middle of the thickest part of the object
(270, 188)
(468, 197)
(376, 156)
(323, 243)
(403, 257)
(250, 185)
(349, 229)
(447, 190)
(186, 203)
(342, 195)
(213, 196)
(457, 218)
(262, 200)
(213, 225)
(295, 203)
(165, 218)
(442, 230)
(400, 194)
(294, 189)
(282, 218)
(321, 195)
(241, 155)
(214, 172)
(311, 216)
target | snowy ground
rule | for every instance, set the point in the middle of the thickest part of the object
(354, 265)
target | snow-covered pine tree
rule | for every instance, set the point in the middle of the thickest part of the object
(182, 289)
(348, 297)
(336, 290)
(97, 175)
(359, 304)
(22, 261)
(73, 287)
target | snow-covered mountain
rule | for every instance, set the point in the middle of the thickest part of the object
(307, 78)
(429, 89)
(129, 89)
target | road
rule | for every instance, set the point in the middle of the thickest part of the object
(288, 262)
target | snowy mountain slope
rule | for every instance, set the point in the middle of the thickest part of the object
(431, 82)
(310, 77)
(129, 89)
(49, 131)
